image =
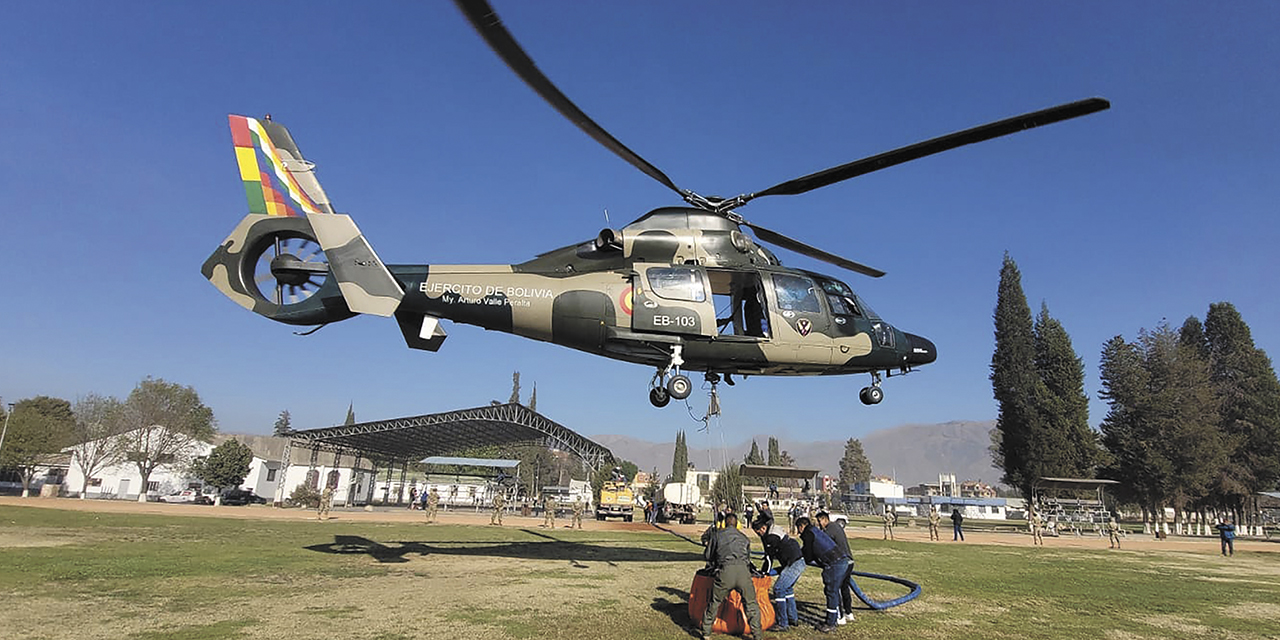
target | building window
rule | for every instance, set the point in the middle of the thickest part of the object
(271, 475)
(95, 482)
(153, 485)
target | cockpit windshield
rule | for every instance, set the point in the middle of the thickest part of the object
(843, 301)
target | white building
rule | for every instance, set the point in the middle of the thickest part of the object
(353, 486)
(121, 480)
(880, 487)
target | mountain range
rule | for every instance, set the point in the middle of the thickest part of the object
(911, 454)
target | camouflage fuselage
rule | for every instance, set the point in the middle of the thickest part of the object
(595, 312)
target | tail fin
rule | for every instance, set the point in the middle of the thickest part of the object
(277, 180)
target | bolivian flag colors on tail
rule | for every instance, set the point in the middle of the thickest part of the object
(268, 185)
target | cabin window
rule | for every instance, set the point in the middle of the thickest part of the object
(795, 294)
(677, 283)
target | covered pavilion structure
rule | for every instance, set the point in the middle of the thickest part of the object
(394, 444)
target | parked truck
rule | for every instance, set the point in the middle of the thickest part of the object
(616, 501)
(680, 503)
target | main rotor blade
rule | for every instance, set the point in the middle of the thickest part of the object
(773, 237)
(930, 147)
(489, 25)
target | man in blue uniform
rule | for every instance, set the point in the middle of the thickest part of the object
(1227, 534)
(821, 551)
(728, 555)
(835, 530)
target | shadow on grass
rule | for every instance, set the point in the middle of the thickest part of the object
(675, 607)
(548, 548)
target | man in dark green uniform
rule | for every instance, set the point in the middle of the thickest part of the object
(728, 554)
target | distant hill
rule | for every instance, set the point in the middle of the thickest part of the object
(911, 453)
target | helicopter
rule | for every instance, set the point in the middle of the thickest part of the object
(680, 289)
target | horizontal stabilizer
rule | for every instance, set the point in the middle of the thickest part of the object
(421, 331)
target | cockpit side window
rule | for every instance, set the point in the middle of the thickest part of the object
(841, 298)
(677, 283)
(796, 294)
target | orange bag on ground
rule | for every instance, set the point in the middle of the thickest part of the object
(731, 618)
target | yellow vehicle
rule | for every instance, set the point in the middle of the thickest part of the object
(616, 501)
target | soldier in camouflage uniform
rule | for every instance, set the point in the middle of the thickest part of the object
(1037, 527)
(326, 501)
(548, 511)
(578, 509)
(433, 505)
(934, 519)
(890, 519)
(1113, 530)
(499, 502)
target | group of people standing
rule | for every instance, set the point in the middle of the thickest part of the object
(821, 543)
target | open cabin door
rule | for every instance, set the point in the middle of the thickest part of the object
(669, 298)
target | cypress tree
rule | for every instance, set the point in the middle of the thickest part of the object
(775, 455)
(1066, 444)
(679, 459)
(1014, 380)
(854, 466)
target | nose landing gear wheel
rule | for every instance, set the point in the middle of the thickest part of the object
(679, 386)
(871, 395)
(659, 397)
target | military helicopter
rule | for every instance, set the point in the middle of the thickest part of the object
(682, 288)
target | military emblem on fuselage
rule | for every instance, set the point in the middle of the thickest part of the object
(804, 326)
(625, 302)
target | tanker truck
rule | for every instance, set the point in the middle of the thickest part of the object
(680, 503)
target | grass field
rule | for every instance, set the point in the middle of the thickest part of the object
(147, 576)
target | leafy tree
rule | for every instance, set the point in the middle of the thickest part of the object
(97, 419)
(680, 459)
(284, 424)
(1014, 380)
(603, 474)
(1160, 430)
(629, 469)
(304, 495)
(38, 428)
(728, 488)
(775, 458)
(165, 423)
(854, 466)
(1245, 384)
(226, 466)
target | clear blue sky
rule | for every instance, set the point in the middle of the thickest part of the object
(119, 180)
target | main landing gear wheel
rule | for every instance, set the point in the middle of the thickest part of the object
(679, 386)
(871, 395)
(659, 397)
